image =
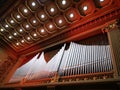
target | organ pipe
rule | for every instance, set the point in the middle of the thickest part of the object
(23, 70)
(78, 59)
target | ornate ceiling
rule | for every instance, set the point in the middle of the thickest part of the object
(30, 22)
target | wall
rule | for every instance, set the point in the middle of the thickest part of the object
(3, 55)
(6, 63)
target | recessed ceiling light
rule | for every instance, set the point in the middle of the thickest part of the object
(28, 38)
(33, 3)
(63, 2)
(1, 30)
(11, 21)
(85, 8)
(101, 0)
(34, 21)
(52, 9)
(60, 21)
(20, 30)
(17, 43)
(34, 34)
(22, 41)
(42, 31)
(25, 10)
(42, 16)
(10, 37)
(50, 26)
(18, 16)
(15, 34)
(6, 26)
(27, 26)
(71, 15)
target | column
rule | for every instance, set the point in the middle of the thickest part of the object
(113, 33)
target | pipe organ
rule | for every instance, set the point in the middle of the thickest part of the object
(84, 60)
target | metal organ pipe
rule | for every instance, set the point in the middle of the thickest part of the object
(67, 62)
(63, 63)
(22, 71)
(72, 60)
(81, 58)
(37, 68)
(85, 59)
(78, 59)
(76, 63)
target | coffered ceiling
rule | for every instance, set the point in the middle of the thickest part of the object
(29, 22)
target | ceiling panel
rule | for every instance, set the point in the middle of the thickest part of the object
(32, 21)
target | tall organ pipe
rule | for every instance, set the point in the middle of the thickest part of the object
(79, 59)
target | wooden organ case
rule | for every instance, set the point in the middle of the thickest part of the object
(87, 54)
